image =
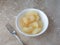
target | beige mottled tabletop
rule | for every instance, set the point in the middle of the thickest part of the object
(9, 10)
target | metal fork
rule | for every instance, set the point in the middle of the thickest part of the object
(13, 32)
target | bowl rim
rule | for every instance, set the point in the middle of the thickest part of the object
(16, 22)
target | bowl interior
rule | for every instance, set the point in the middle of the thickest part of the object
(42, 16)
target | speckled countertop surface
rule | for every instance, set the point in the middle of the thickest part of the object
(10, 8)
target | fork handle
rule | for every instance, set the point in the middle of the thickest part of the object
(18, 39)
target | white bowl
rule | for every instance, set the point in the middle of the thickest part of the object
(44, 19)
